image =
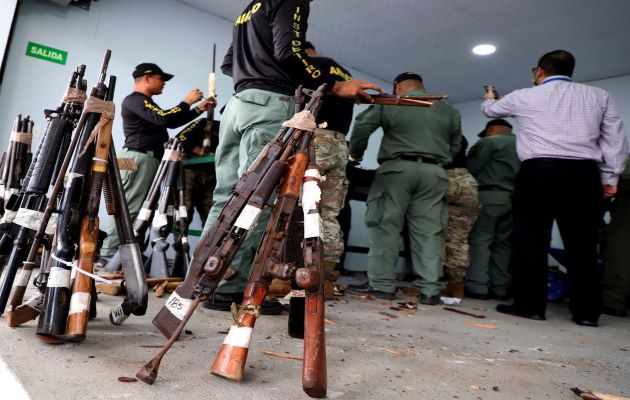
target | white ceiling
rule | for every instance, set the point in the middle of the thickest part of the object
(434, 38)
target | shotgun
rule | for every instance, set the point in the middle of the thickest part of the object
(81, 298)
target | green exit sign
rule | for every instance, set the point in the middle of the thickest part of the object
(46, 53)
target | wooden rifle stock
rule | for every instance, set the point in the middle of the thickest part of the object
(311, 279)
(404, 100)
(231, 358)
(80, 300)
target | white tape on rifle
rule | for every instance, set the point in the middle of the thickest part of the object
(313, 226)
(178, 306)
(159, 220)
(239, 336)
(79, 302)
(183, 212)
(304, 120)
(247, 218)
(25, 275)
(29, 219)
(145, 214)
(311, 196)
(58, 277)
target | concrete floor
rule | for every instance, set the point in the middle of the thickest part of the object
(373, 352)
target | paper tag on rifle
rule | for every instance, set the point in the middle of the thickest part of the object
(36, 302)
(247, 218)
(312, 226)
(127, 164)
(29, 219)
(178, 306)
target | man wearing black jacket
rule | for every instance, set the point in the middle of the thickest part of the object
(267, 61)
(145, 126)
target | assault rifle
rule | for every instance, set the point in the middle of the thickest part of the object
(404, 100)
(216, 249)
(41, 172)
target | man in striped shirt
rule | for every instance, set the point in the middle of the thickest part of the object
(573, 146)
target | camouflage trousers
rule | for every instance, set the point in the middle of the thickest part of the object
(331, 152)
(463, 203)
(198, 190)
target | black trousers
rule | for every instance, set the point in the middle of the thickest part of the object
(570, 192)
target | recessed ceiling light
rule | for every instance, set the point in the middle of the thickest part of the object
(484, 49)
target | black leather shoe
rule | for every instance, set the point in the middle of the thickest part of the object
(476, 296)
(500, 297)
(584, 322)
(222, 301)
(614, 312)
(429, 300)
(517, 312)
(366, 290)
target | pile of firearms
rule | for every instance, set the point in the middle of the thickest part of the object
(56, 208)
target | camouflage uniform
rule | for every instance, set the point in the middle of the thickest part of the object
(331, 153)
(463, 203)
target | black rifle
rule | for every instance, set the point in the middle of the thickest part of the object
(41, 173)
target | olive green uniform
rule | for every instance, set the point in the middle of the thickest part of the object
(410, 185)
(617, 251)
(494, 163)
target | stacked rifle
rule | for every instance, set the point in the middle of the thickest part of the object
(165, 212)
(65, 221)
(14, 164)
(287, 164)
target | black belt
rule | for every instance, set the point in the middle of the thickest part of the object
(425, 160)
(491, 187)
(150, 153)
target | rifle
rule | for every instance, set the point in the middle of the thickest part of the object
(15, 159)
(143, 219)
(129, 251)
(163, 218)
(212, 94)
(311, 279)
(268, 264)
(81, 298)
(181, 245)
(404, 100)
(40, 174)
(52, 320)
(216, 249)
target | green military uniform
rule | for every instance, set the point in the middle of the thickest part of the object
(617, 252)
(494, 163)
(251, 119)
(409, 184)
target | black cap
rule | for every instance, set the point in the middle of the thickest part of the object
(494, 122)
(150, 69)
(407, 75)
